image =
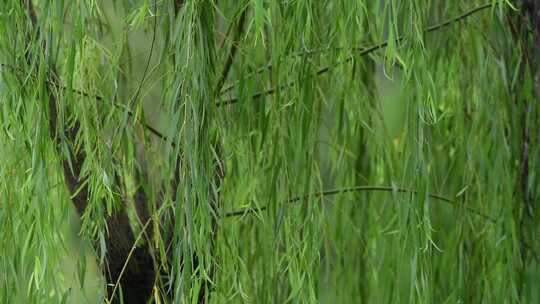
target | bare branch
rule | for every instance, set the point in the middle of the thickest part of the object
(247, 211)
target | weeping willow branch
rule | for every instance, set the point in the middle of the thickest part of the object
(232, 52)
(363, 52)
(321, 194)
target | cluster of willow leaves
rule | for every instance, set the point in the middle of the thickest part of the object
(258, 151)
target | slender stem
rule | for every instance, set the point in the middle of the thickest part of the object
(154, 30)
(247, 211)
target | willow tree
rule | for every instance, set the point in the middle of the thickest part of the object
(270, 151)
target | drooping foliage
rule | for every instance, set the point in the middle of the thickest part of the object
(269, 151)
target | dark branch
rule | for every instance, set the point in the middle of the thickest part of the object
(247, 211)
(362, 52)
(98, 98)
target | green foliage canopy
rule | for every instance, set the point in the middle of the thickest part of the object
(217, 128)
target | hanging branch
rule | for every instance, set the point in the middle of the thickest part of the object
(232, 52)
(362, 52)
(321, 194)
(230, 59)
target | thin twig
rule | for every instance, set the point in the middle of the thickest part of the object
(99, 99)
(154, 30)
(247, 211)
(232, 52)
(363, 52)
